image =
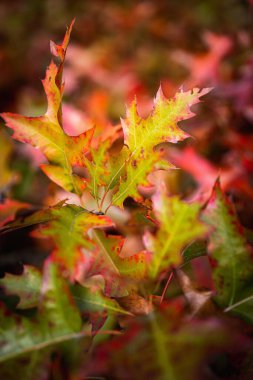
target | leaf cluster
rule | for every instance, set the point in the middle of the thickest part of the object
(102, 291)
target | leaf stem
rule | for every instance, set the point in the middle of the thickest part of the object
(55, 340)
(166, 287)
(231, 307)
(103, 199)
(107, 208)
(111, 181)
(162, 352)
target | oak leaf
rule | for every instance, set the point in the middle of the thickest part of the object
(120, 273)
(56, 321)
(26, 286)
(141, 136)
(178, 225)
(228, 248)
(69, 230)
(45, 132)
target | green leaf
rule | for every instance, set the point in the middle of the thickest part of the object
(137, 173)
(98, 169)
(228, 247)
(161, 125)
(69, 230)
(178, 226)
(142, 135)
(57, 305)
(58, 320)
(93, 300)
(194, 250)
(69, 227)
(27, 286)
(38, 217)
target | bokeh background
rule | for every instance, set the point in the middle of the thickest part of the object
(135, 43)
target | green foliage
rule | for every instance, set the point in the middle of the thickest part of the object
(194, 250)
(233, 268)
(155, 348)
(178, 226)
(46, 132)
(57, 320)
(69, 229)
(97, 168)
(142, 135)
(120, 273)
(27, 286)
(113, 251)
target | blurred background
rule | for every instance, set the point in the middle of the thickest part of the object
(121, 48)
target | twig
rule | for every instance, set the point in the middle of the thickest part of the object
(166, 287)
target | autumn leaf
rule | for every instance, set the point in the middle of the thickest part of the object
(98, 169)
(120, 273)
(198, 300)
(205, 67)
(69, 229)
(141, 136)
(26, 286)
(136, 304)
(205, 172)
(96, 306)
(136, 284)
(57, 320)
(28, 342)
(34, 218)
(196, 249)
(135, 161)
(92, 300)
(56, 299)
(9, 209)
(228, 248)
(137, 174)
(45, 132)
(68, 226)
(178, 225)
